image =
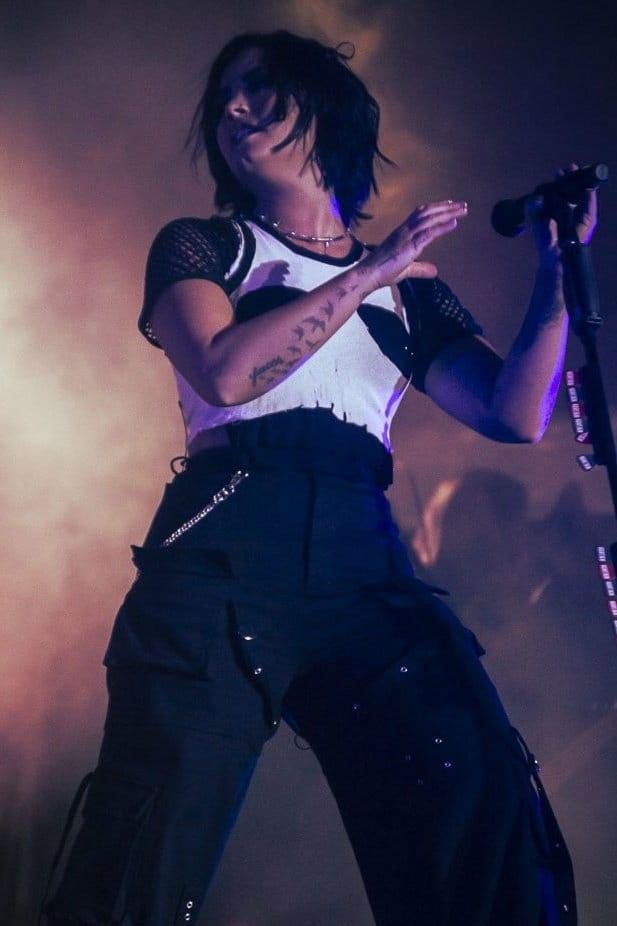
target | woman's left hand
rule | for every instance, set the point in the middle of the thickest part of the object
(545, 230)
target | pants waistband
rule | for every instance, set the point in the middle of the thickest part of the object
(334, 462)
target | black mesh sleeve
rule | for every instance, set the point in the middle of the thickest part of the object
(184, 249)
(436, 317)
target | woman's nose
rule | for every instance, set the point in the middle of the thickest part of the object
(236, 105)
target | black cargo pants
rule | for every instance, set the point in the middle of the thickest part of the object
(294, 597)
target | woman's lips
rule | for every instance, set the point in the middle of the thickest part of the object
(240, 135)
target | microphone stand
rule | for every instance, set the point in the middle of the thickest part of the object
(588, 405)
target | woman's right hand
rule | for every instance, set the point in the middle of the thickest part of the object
(395, 258)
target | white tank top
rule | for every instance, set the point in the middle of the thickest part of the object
(360, 373)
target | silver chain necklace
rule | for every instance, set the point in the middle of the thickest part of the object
(326, 240)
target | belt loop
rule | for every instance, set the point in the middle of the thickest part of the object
(183, 462)
(232, 434)
(241, 454)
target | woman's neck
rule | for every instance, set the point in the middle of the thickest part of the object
(298, 211)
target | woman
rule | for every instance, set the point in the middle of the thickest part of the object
(272, 581)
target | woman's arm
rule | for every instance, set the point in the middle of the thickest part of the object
(509, 400)
(513, 399)
(229, 363)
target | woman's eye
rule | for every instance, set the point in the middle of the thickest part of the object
(257, 79)
(253, 83)
(256, 85)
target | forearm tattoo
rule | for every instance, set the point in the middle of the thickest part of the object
(304, 341)
(261, 371)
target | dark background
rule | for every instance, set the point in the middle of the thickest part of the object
(478, 102)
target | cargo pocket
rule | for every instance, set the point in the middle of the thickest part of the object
(208, 563)
(174, 612)
(410, 603)
(98, 882)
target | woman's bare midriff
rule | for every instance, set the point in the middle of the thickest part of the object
(213, 437)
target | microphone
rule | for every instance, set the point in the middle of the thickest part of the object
(508, 216)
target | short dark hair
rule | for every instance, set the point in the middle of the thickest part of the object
(324, 87)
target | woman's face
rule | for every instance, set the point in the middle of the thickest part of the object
(243, 134)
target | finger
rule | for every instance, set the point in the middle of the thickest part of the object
(421, 223)
(423, 238)
(447, 205)
(587, 216)
(590, 204)
(439, 208)
(420, 269)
